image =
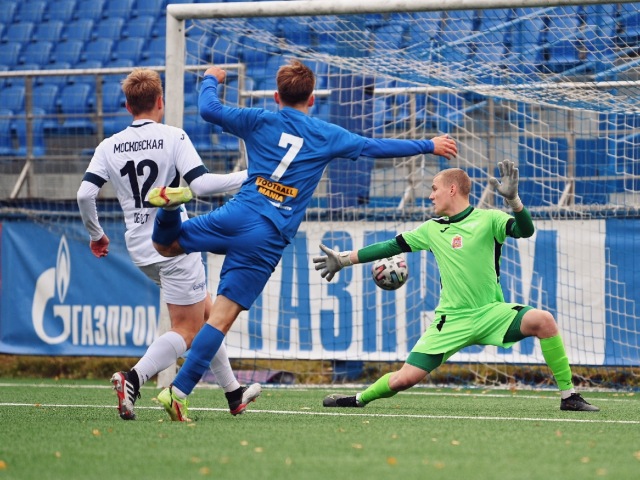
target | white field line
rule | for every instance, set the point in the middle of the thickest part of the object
(418, 391)
(344, 414)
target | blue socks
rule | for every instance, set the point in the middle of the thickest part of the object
(203, 349)
(167, 226)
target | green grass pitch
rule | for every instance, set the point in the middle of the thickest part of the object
(70, 430)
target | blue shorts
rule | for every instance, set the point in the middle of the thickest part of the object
(252, 246)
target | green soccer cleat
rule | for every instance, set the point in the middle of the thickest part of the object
(177, 408)
(169, 196)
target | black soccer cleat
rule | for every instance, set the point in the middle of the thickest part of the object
(127, 394)
(576, 403)
(337, 400)
(239, 399)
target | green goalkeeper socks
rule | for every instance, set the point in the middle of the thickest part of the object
(380, 389)
(556, 357)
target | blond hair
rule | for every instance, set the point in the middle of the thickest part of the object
(458, 177)
(142, 87)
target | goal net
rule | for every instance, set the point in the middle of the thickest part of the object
(553, 88)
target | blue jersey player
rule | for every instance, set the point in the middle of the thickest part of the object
(287, 153)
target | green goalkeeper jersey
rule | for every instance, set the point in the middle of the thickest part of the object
(467, 248)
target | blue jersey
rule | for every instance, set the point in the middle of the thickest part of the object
(287, 152)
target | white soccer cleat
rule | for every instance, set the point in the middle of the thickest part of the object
(249, 394)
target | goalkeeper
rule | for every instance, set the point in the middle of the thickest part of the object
(466, 243)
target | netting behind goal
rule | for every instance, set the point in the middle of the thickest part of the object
(552, 88)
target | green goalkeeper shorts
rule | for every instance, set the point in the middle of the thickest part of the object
(494, 324)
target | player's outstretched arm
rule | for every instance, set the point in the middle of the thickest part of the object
(214, 183)
(333, 262)
(507, 186)
(442, 145)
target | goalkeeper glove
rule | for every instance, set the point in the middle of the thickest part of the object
(508, 184)
(332, 263)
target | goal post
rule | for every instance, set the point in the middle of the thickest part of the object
(552, 85)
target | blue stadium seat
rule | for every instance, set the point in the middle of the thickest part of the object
(426, 28)
(38, 53)
(7, 12)
(76, 103)
(321, 71)
(19, 32)
(592, 161)
(99, 50)
(495, 18)
(68, 52)
(57, 80)
(266, 79)
(541, 161)
(6, 139)
(454, 36)
(91, 10)
(526, 35)
(129, 49)
(562, 43)
(391, 36)
(44, 97)
(108, 28)
(160, 27)
(603, 17)
(118, 8)
(156, 48)
(153, 8)
(30, 12)
(80, 29)
(121, 63)
(295, 31)
(12, 98)
(141, 26)
(629, 23)
(322, 33)
(10, 53)
(3, 68)
(525, 51)
(116, 117)
(152, 61)
(62, 10)
(50, 31)
(37, 133)
(198, 49)
(199, 131)
(225, 49)
(443, 112)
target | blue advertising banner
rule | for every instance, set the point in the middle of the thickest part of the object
(58, 299)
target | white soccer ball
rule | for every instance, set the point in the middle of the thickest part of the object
(390, 273)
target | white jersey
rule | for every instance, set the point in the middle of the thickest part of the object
(143, 156)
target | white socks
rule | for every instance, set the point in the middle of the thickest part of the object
(161, 354)
(167, 348)
(222, 370)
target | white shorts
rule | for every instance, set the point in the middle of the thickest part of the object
(182, 279)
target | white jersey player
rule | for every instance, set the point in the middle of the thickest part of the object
(145, 155)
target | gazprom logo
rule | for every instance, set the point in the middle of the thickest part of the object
(53, 282)
(56, 320)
